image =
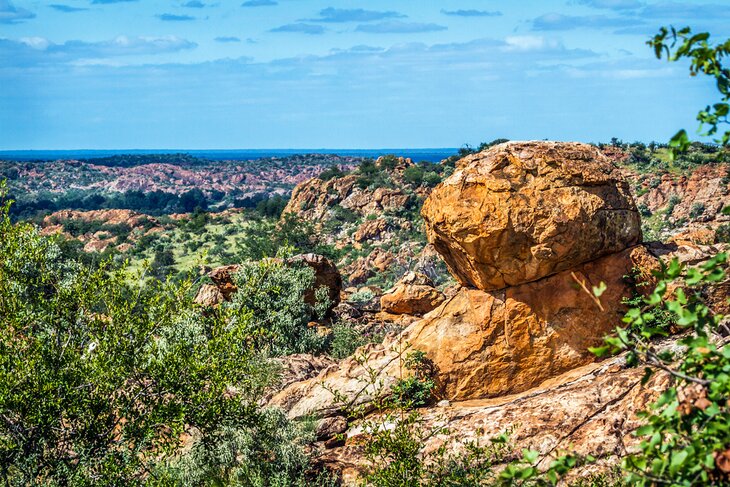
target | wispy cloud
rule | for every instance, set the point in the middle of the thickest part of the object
(10, 14)
(681, 11)
(194, 4)
(332, 14)
(472, 13)
(613, 4)
(175, 18)
(300, 28)
(259, 3)
(29, 51)
(398, 27)
(67, 8)
(110, 1)
(556, 21)
(225, 39)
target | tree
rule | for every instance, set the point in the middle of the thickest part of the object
(704, 58)
(101, 379)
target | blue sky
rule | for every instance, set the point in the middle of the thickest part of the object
(203, 74)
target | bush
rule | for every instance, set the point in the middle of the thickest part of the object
(100, 378)
(413, 175)
(416, 390)
(673, 201)
(271, 452)
(345, 340)
(685, 433)
(270, 299)
(722, 233)
(331, 173)
(697, 210)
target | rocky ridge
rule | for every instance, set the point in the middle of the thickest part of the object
(508, 347)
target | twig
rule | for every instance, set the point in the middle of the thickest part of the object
(582, 284)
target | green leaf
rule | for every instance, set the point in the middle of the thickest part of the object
(600, 289)
(677, 460)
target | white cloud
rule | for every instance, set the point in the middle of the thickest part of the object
(530, 43)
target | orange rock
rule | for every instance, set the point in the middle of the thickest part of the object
(370, 230)
(414, 294)
(695, 236)
(209, 295)
(521, 211)
(486, 344)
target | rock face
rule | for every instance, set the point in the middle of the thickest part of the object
(414, 294)
(222, 277)
(590, 411)
(487, 344)
(521, 211)
(209, 295)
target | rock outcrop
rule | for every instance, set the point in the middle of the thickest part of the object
(589, 410)
(527, 229)
(538, 323)
(486, 344)
(521, 211)
(414, 294)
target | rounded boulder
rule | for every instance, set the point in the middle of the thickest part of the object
(521, 211)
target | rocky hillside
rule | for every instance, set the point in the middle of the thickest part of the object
(526, 228)
(371, 216)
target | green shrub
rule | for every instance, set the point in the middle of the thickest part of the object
(268, 453)
(345, 340)
(697, 210)
(270, 299)
(686, 430)
(331, 173)
(413, 175)
(416, 390)
(361, 296)
(100, 378)
(722, 233)
(673, 201)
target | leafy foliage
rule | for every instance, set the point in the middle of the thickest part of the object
(100, 378)
(415, 390)
(270, 452)
(704, 58)
(687, 431)
(270, 304)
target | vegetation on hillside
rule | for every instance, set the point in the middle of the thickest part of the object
(109, 378)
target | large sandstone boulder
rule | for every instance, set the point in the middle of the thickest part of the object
(521, 211)
(486, 344)
(414, 294)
